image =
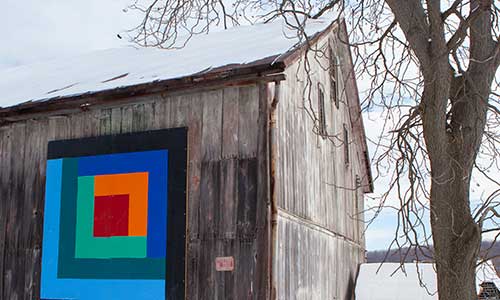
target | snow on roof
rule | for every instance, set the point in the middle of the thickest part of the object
(121, 67)
(385, 285)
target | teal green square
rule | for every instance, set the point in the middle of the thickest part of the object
(88, 246)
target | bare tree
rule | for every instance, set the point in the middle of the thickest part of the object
(456, 49)
(432, 65)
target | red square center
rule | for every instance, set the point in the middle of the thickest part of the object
(111, 215)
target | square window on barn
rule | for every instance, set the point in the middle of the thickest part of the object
(333, 70)
(346, 144)
(321, 112)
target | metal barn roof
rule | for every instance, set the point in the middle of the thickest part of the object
(124, 67)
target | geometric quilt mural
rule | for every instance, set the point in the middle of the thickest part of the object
(114, 219)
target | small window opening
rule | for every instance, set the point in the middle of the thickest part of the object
(321, 112)
(358, 181)
(346, 144)
(333, 67)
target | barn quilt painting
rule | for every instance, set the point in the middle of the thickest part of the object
(114, 219)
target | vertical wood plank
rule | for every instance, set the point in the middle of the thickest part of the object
(226, 227)
(5, 146)
(14, 260)
(35, 155)
(105, 122)
(229, 199)
(263, 200)
(230, 122)
(210, 194)
(248, 118)
(212, 126)
(162, 113)
(226, 281)
(149, 114)
(139, 118)
(116, 120)
(179, 107)
(194, 117)
(127, 113)
(246, 227)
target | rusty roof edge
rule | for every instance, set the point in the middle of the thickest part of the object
(253, 71)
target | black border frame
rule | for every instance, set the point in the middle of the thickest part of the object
(175, 141)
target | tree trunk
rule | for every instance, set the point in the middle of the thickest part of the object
(456, 235)
(452, 146)
(456, 239)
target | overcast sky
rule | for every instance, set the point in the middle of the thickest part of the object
(39, 30)
(36, 30)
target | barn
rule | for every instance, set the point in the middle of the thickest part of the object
(192, 173)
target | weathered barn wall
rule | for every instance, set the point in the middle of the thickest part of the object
(227, 186)
(320, 241)
(319, 232)
(315, 263)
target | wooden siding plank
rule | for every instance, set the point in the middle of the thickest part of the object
(248, 114)
(5, 141)
(263, 205)
(35, 152)
(211, 153)
(180, 105)
(138, 117)
(212, 126)
(230, 122)
(14, 260)
(228, 278)
(226, 230)
(194, 138)
(226, 243)
(149, 115)
(116, 120)
(229, 202)
(210, 194)
(127, 113)
(247, 195)
(105, 122)
(246, 229)
(162, 113)
(186, 110)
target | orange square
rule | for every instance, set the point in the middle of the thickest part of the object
(136, 186)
